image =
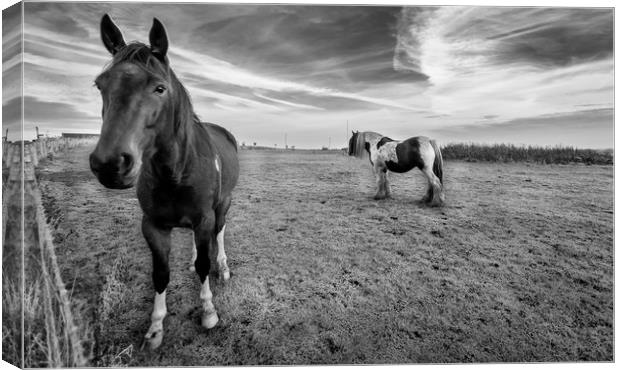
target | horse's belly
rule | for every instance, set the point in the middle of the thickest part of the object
(398, 167)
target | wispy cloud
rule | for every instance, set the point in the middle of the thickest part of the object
(507, 61)
(287, 103)
(215, 69)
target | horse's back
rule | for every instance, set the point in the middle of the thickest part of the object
(417, 140)
(220, 133)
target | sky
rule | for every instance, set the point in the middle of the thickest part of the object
(521, 75)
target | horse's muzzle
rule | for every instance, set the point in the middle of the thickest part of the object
(114, 172)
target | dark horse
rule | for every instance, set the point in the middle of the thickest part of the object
(184, 170)
(401, 156)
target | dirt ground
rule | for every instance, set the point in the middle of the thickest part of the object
(517, 267)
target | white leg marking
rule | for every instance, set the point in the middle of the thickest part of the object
(192, 267)
(209, 315)
(156, 331)
(221, 256)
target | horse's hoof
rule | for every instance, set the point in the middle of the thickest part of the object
(153, 340)
(225, 275)
(209, 320)
(379, 197)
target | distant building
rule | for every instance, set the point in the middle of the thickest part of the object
(74, 135)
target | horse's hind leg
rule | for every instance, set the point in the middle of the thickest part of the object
(159, 242)
(429, 191)
(434, 195)
(217, 249)
(203, 234)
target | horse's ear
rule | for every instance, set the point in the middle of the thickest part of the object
(111, 36)
(158, 39)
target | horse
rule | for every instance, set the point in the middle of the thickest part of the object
(183, 170)
(401, 156)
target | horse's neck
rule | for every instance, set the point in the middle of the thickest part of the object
(173, 153)
(372, 137)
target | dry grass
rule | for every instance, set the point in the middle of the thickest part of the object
(111, 300)
(11, 321)
(517, 267)
(42, 338)
(45, 332)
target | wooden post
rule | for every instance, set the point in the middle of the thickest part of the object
(39, 147)
(31, 154)
(5, 153)
(9, 154)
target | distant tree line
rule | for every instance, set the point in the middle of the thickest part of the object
(513, 153)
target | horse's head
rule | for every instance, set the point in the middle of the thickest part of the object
(136, 90)
(352, 142)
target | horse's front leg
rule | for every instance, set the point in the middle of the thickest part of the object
(204, 238)
(388, 190)
(382, 185)
(217, 249)
(158, 240)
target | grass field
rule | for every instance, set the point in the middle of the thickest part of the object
(518, 266)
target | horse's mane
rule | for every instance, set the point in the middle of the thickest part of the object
(359, 145)
(141, 55)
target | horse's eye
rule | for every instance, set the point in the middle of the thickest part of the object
(97, 86)
(160, 89)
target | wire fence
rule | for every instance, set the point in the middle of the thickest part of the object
(38, 326)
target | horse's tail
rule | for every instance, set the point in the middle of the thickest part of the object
(438, 163)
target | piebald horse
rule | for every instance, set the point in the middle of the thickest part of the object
(184, 170)
(401, 156)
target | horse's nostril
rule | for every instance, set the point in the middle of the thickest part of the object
(126, 162)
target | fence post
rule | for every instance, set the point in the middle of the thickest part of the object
(37, 145)
(7, 149)
(32, 154)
